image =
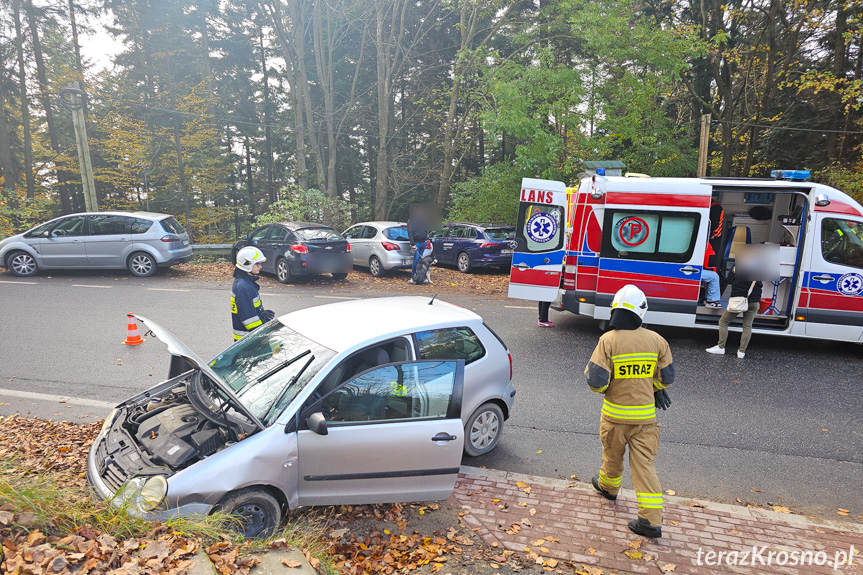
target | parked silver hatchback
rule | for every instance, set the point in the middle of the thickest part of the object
(138, 241)
(367, 401)
(380, 246)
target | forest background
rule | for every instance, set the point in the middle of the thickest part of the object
(225, 112)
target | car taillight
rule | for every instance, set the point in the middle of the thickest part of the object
(488, 245)
(171, 238)
(390, 247)
(300, 249)
(510, 364)
(349, 248)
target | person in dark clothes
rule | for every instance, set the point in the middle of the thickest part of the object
(418, 234)
(741, 286)
(543, 314)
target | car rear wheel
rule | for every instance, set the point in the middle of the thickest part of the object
(463, 263)
(376, 267)
(257, 512)
(340, 276)
(283, 271)
(483, 429)
(21, 264)
(142, 264)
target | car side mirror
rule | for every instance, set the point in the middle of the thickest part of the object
(317, 423)
(244, 237)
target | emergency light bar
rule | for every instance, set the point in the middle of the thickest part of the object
(793, 175)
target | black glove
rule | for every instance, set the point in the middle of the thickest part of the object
(661, 399)
(267, 315)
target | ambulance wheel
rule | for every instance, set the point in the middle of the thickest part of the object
(463, 263)
(376, 267)
(258, 513)
(483, 429)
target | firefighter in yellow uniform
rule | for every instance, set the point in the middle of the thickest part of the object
(629, 365)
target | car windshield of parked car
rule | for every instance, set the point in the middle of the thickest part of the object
(397, 234)
(318, 234)
(268, 368)
(500, 233)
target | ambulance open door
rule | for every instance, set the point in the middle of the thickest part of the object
(657, 242)
(537, 261)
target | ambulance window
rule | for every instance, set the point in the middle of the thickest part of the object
(542, 227)
(649, 235)
(842, 242)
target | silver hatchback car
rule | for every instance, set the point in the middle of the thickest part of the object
(368, 401)
(138, 241)
(380, 246)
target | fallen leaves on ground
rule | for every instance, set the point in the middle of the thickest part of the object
(780, 509)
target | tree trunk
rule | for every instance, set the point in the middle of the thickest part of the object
(268, 132)
(249, 179)
(384, 93)
(8, 169)
(75, 43)
(179, 148)
(324, 68)
(839, 47)
(25, 105)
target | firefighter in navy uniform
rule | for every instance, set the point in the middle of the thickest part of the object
(631, 366)
(247, 310)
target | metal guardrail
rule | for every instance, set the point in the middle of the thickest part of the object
(212, 249)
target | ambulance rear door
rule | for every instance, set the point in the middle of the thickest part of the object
(831, 301)
(537, 262)
(654, 239)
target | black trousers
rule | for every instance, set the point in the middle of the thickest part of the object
(543, 310)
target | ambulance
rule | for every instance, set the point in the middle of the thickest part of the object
(576, 247)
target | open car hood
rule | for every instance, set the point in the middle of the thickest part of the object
(179, 349)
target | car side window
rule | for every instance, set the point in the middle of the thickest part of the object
(69, 227)
(450, 343)
(353, 232)
(107, 225)
(261, 233)
(278, 234)
(421, 390)
(470, 233)
(369, 232)
(456, 232)
(139, 225)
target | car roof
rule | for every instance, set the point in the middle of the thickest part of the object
(154, 215)
(379, 224)
(481, 226)
(344, 325)
(301, 225)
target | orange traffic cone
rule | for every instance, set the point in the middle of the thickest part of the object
(133, 337)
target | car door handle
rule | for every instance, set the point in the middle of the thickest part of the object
(521, 266)
(443, 436)
(823, 279)
(688, 270)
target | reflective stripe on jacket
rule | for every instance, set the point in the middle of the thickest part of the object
(246, 307)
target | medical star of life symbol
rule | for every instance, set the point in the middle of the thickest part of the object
(541, 227)
(850, 284)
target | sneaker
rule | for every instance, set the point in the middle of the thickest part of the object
(641, 526)
(603, 492)
(741, 354)
(712, 304)
(716, 350)
(411, 281)
(545, 323)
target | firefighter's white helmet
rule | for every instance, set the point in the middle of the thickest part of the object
(248, 257)
(631, 298)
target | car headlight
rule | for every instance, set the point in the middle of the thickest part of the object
(145, 493)
(108, 421)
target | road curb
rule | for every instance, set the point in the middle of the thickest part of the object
(738, 510)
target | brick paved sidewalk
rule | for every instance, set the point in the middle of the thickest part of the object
(570, 523)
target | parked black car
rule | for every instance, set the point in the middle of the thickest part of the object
(299, 248)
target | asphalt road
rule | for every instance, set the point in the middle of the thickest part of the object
(781, 427)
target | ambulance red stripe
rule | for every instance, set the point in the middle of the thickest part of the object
(667, 200)
(542, 278)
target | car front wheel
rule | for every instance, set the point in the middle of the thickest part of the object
(283, 271)
(463, 263)
(483, 429)
(376, 267)
(257, 512)
(22, 264)
(142, 265)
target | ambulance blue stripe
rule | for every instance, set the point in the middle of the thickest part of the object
(661, 269)
(533, 260)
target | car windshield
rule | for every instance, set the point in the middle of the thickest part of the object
(318, 234)
(500, 233)
(397, 233)
(268, 368)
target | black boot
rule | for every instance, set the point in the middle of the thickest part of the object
(642, 526)
(603, 492)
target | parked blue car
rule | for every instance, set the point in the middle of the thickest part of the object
(474, 245)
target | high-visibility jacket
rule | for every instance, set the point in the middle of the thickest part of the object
(247, 311)
(628, 366)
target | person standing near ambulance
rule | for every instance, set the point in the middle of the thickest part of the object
(631, 366)
(247, 309)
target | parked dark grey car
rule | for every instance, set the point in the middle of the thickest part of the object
(138, 241)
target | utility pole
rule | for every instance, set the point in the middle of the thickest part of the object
(77, 102)
(702, 148)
